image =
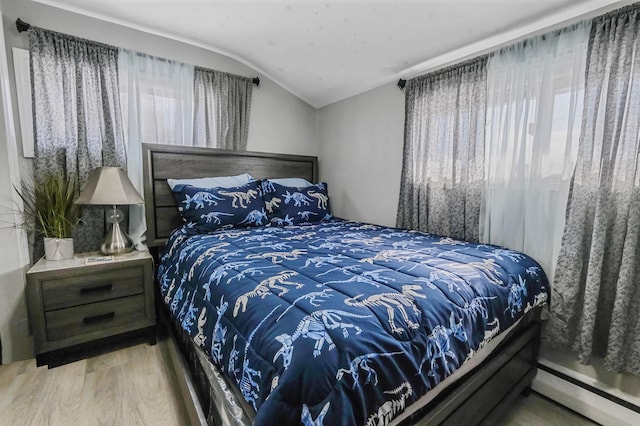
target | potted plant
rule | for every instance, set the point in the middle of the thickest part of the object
(49, 211)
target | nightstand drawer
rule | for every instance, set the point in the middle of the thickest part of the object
(79, 320)
(89, 288)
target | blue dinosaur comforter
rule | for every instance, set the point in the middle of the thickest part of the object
(341, 322)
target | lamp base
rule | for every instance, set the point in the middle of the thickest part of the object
(116, 241)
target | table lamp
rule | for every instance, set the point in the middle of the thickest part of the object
(110, 186)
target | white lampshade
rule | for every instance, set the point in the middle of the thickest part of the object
(109, 186)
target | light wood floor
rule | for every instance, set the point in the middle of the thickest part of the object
(132, 386)
(536, 410)
(137, 386)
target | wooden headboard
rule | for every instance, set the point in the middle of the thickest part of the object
(162, 162)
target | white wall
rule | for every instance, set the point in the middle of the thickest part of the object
(14, 331)
(280, 122)
(360, 144)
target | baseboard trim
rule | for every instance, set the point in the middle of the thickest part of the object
(599, 392)
(581, 398)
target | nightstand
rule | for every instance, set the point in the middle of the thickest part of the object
(73, 304)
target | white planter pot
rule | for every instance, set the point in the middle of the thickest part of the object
(58, 248)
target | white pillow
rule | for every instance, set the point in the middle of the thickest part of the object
(214, 182)
(294, 182)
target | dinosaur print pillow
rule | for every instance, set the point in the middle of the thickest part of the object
(288, 205)
(207, 209)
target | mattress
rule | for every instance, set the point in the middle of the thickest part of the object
(342, 322)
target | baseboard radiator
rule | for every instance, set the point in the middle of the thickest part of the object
(583, 398)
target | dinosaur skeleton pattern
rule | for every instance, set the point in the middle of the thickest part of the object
(240, 199)
(189, 250)
(306, 215)
(267, 186)
(366, 241)
(286, 221)
(273, 246)
(538, 300)
(439, 346)
(219, 273)
(478, 306)
(487, 267)
(167, 297)
(329, 246)
(165, 283)
(392, 301)
(364, 227)
(375, 275)
(208, 253)
(273, 204)
(228, 255)
(321, 198)
(391, 408)
(306, 418)
(301, 236)
(176, 299)
(214, 217)
(188, 316)
(200, 338)
(279, 257)
(275, 282)
(233, 357)
(450, 241)
(500, 254)
(199, 198)
(403, 245)
(250, 272)
(353, 279)
(219, 332)
(533, 270)
(314, 298)
(255, 217)
(319, 261)
(347, 270)
(315, 326)
(390, 255)
(443, 276)
(256, 238)
(187, 303)
(490, 333)
(176, 242)
(362, 363)
(249, 388)
(298, 198)
(330, 229)
(231, 233)
(516, 293)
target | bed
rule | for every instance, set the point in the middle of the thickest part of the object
(338, 322)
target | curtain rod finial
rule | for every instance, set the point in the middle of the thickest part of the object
(402, 83)
(256, 81)
(21, 25)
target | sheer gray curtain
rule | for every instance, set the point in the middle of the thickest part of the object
(222, 103)
(76, 115)
(595, 308)
(535, 94)
(442, 170)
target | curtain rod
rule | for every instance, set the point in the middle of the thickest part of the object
(24, 26)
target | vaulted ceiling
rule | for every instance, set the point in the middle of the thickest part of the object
(325, 51)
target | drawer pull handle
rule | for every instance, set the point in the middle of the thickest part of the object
(96, 289)
(96, 319)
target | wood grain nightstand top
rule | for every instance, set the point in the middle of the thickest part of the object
(80, 261)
